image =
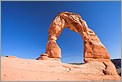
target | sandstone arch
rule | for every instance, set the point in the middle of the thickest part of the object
(94, 50)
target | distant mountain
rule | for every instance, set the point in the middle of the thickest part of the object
(76, 63)
(117, 63)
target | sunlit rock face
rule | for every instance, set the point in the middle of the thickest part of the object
(94, 50)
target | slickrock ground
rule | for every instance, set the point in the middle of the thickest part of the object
(36, 70)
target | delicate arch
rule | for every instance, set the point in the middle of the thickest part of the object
(93, 48)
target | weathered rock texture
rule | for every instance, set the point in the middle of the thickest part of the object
(94, 50)
(50, 68)
(18, 69)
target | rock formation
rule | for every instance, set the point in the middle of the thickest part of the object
(94, 50)
(98, 65)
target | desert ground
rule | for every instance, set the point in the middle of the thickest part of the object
(18, 69)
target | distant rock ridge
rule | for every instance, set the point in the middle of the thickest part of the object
(117, 64)
(11, 56)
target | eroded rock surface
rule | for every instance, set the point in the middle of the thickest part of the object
(94, 50)
(18, 69)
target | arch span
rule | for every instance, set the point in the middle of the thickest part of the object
(94, 50)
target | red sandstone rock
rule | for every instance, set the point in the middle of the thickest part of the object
(52, 49)
(17, 69)
(110, 68)
(86, 60)
(43, 57)
(93, 48)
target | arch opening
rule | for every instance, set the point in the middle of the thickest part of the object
(71, 46)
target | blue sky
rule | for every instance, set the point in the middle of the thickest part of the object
(25, 27)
